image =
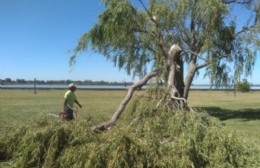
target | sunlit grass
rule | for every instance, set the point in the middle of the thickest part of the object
(23, 106)
(239, 113)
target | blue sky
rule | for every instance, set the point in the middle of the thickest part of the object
(37, 35)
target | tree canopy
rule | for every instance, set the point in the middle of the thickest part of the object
(178, 38)
(209, 33)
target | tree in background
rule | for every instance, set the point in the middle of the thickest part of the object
(177, 38)
(243, 86)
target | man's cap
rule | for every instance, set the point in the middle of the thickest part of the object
(72, 85)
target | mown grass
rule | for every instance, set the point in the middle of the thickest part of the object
(23, 106)
(239, 113)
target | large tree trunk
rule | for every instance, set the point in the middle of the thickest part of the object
(175, 72)
(175, 86)
(125, 101)
(175, 82)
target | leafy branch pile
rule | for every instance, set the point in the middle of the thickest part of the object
(156, 138)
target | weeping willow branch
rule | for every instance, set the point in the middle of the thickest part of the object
(125, 101)
(197, 55)
(158, 35)
(179, 98)
(183, 100)
(247, 29)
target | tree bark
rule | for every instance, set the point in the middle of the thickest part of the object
(125, 101)
(188, 79)
(175, 82)
(175, 71)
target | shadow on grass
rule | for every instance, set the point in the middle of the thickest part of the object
(225, 114)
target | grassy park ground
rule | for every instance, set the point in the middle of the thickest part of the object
(239, 113)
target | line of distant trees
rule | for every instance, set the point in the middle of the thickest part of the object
(9, 81)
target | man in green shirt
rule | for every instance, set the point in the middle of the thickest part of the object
(69, 100)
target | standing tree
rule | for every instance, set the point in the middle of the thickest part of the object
(178, 38)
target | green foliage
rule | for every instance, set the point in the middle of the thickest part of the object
(119, 37)
(157, 137)
(243, 86)
(133, 36)
(41, 144)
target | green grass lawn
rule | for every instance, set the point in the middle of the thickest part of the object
(23, 106)
(239, 113)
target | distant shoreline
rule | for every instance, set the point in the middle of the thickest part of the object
(109, 87)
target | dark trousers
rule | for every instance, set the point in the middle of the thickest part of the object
(69, 113)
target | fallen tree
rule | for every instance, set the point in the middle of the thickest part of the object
(177, 39)
(156, 139)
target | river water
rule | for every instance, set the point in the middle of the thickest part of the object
(111, 87)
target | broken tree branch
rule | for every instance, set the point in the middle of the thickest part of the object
(125, 101)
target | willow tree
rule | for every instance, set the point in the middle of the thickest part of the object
(177, 38)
